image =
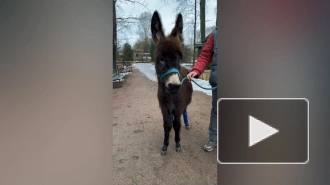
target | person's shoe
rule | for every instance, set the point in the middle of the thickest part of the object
(210, 145)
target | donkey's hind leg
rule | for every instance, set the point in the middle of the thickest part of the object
(177, 127)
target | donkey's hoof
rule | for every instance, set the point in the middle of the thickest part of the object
(187, 127)
(178, 147)
(164, 153)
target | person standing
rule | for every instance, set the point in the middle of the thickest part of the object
(208, 56)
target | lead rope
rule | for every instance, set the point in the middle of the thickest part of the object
(212, 88)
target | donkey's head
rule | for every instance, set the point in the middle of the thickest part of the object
(168, 52)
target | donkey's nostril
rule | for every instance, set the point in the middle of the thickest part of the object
(173, 88)
(177, 86)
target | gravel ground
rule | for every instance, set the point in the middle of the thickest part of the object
(138, 139)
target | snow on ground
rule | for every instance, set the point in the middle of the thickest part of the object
(149, 71)
(127, 73)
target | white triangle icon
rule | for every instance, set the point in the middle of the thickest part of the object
(259, 131)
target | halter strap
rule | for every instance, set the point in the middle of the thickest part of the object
(171, 70)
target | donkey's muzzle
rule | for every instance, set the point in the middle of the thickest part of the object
(171, 80)
(173, 88)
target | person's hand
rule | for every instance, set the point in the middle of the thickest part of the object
(191, 75)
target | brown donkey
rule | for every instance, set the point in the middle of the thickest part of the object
(173, 97)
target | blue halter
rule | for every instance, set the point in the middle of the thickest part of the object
(171, 70)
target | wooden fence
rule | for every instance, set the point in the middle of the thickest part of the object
(205, 75)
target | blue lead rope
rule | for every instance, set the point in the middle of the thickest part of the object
(212, 88)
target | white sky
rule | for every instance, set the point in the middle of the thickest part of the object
(167, 13)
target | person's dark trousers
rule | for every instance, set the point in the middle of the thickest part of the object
(213, 120)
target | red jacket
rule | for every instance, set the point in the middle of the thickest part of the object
(205, 56)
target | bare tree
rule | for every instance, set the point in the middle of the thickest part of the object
(208, 30)
(143, 29)
(144, 25)
(202, 18)
(126, 23)
(198, 36)
(189, 10)
(122, 25)
(194, 55)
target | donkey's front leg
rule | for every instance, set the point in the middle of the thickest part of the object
(167, 129)
(177, 127)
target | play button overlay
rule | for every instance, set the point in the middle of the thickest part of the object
(263, 131)
(259, 131)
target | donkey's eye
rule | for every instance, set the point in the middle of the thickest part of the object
(161, 62)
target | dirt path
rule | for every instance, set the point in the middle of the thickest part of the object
(138, 138)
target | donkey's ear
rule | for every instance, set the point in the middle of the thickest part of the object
(178, 29)
(156, 28)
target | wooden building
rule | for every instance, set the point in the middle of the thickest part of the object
(140, 56)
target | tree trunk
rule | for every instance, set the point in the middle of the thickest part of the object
(194, 55)
(202, 19)
(114, 36)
